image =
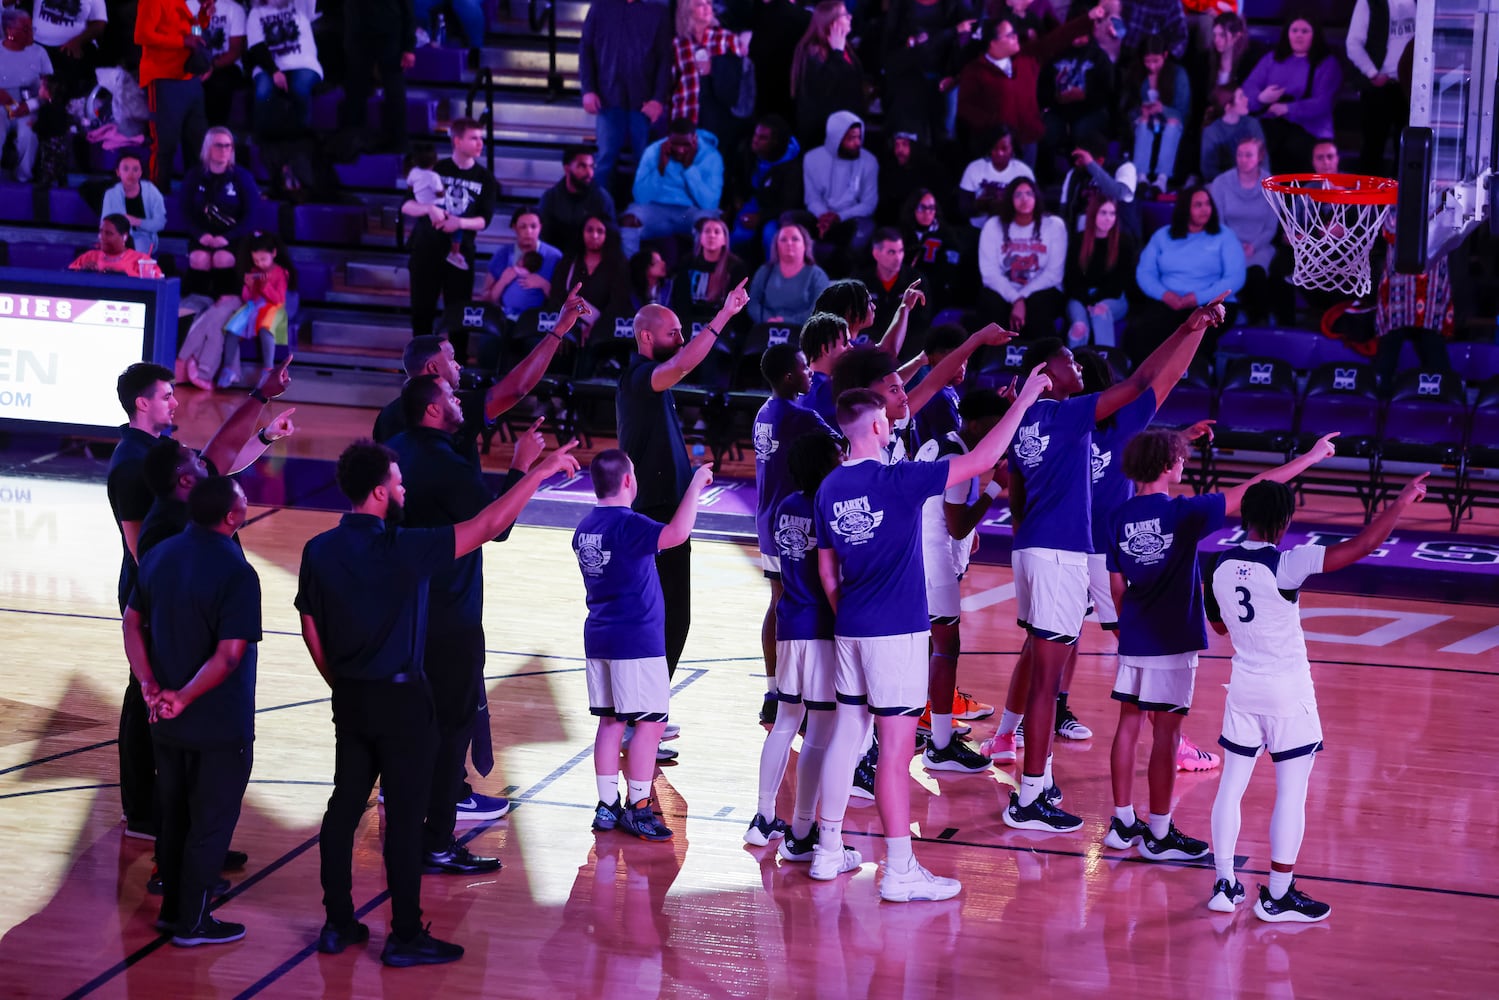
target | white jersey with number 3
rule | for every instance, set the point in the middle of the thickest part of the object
(1254, 592)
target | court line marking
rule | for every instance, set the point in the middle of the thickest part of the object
(309, 950)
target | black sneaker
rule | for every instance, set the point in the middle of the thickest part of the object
(458, 860)
(864, 773)
(1052, 794)
(762, 831)
(235, 861)
(423, 949)
(1225, 896)
(1122, 837)
(1175, 846)
(768, 709)
(641, 821)
(1295, 907)
(209, 931)
(332, 940)
(1039, 815)
(956, 756)
(792, 849)
(606, 816)
(1069, 728)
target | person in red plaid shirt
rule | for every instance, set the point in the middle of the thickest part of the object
(698, 94)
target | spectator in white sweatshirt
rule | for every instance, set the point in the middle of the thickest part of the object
(1377, 36)
(1022, 260)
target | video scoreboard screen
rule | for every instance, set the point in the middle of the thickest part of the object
(64, 339)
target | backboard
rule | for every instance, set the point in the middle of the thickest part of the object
(1447, 156)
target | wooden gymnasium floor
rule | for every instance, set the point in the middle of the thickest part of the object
(1403, 816)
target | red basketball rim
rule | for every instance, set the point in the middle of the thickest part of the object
(1339, 189)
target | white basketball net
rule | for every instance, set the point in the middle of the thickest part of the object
(1330, 240)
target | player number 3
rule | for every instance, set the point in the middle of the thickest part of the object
(1248, 615)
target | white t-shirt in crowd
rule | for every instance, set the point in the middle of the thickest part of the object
(287, 32)
(56, 21)
(228, 22)
(981, 172)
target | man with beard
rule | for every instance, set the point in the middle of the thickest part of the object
(651, 435)
(573, 200)
(842, 181)
(362, 596)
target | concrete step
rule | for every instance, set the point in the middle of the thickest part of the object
(368, 277)
(521, 55)
(380, 359)
(343, 332)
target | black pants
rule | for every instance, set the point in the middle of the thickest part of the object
(200, 796)
(674, 566)
(388, 730)
(137, 760)
(432, 277)
(178, 118)
(1154, 322)
(218, 94)
(1431, 350)
(1384, 112)
(1289, 145)
(455, 667)
(1043, 310)
(366, 54)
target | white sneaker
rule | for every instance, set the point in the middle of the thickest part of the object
(915, 883)
(671, 732)
(828, 865)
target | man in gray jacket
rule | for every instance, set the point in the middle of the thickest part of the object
(842, 181)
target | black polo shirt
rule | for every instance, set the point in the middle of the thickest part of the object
(392, 421)
(365, 586)
(194, 591)
(129, 497)
(651, 434)
(442, 489)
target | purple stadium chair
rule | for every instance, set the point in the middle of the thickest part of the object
(1340, 397)
(328, 224)
(1426, 422)
(265, 217)
(314, 280)
(325, 109)
(1256, 405)
(438, 65)
(16, 204)
(47, 256)
(374, 170)
(1190, 400)
(1327, 350)
(1155, 215)
(1473, 361)
(66, 207)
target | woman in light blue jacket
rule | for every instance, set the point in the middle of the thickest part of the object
(1185, 265)
(139, 201)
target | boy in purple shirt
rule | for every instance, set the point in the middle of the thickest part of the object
(624, 636)
(1050, 463)
(868, 523)
(804, 651)
(824, 337)
(779, 422)
(1156, 585)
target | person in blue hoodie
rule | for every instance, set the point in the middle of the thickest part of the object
(678, 182)
(1185, 264)
(842, 181)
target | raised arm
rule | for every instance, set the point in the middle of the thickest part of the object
(1376, 531)
(895, 333)
(695, 351)
(945, 370)
(520, 380)
(1165, 365)
(679, 528)
(1322, 449)
(987, 453)
(502, 512)
(237, 429)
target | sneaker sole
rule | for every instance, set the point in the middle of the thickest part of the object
(973, 716)
(1222, 904)
(1196, 765)
(407, 963)
(954, 766)
(860, 793)
(1172, 855)
(1072, 735)
(1039, 824)
(194, 942)
(1119, 843)
(755, 838)
(796, 859)
(481, 817)
(1288, 917)
(824, 876)
(139, 834)
(926, 895)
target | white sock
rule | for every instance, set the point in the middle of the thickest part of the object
(868, 742)
(1009, 722)
(898, 853)
(1125, 814)
(1237, 770)
(830, 835)
(608, 788)
(1047, 775)
(1031, 787)
(639, 791)
(775, 754)
(809, 772)
(941, 730)
(770, 685)
(1160, 825)
(1279, 883)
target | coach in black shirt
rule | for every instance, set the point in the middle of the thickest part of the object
(651, 434)
(444, 488)
(362, 595)
(191, 630)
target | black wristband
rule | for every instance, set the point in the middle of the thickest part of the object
(265, 440)
(259, 396)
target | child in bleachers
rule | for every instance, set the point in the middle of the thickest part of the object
(426, 188)
(268, 276)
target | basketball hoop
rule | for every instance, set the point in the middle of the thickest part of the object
(1331, 221)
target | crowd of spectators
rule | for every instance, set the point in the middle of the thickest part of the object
(1000, 152)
